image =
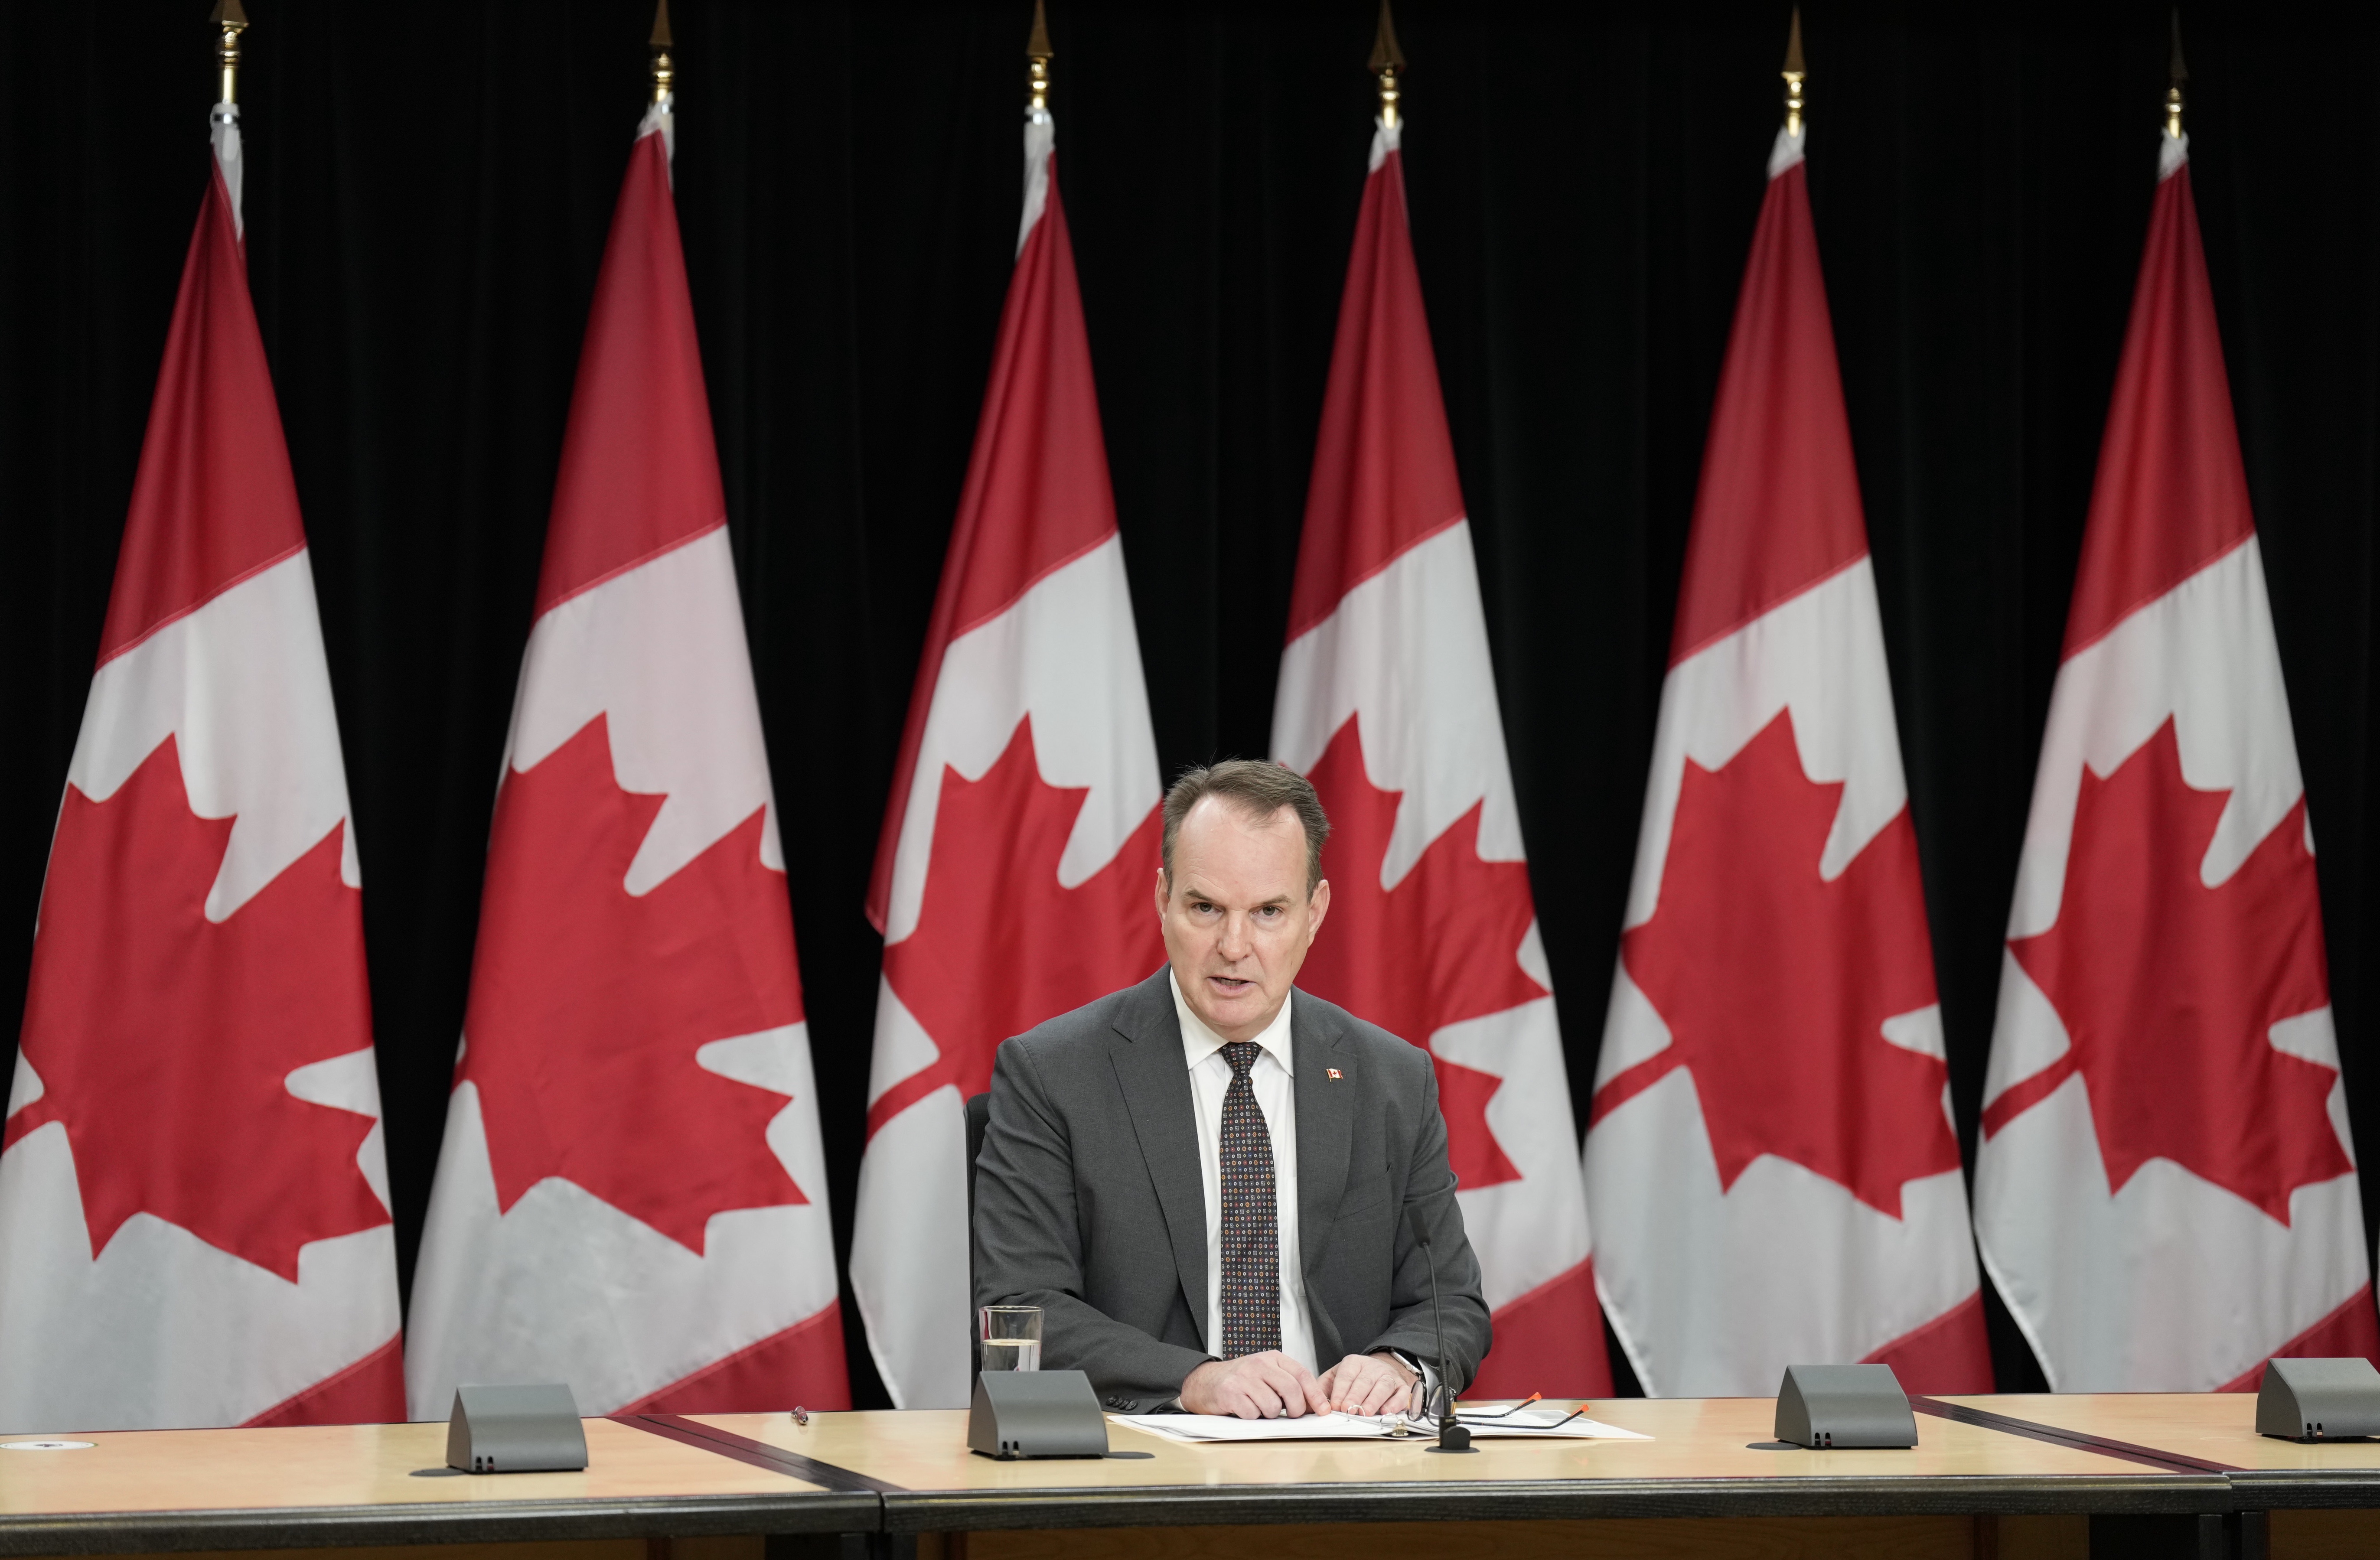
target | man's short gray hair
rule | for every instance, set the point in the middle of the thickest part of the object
(1257, 791)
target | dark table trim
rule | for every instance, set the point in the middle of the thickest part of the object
(1173, 1506)
(2262, 1489)
(490, 1522)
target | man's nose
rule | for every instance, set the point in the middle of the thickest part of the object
(1234, 942)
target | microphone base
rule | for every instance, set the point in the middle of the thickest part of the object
(1454, 1438)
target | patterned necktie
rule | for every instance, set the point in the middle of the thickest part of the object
(1251, 1229)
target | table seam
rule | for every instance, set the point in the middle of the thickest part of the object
(2057, 1435)
(760, 1454)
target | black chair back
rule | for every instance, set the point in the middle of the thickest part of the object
(978, 1116)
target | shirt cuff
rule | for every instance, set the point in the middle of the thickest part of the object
(1427, 1373)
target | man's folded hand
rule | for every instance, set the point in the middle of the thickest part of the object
(1255, 1386)
(1369, 1384)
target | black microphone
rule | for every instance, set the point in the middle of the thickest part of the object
(1452, 1436)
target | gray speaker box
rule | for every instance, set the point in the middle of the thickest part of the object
(516, 1430)
(1844, 1406)
(2319, 1399)
(1035, 1414)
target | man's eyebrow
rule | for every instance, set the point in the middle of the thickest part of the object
(1191, 893)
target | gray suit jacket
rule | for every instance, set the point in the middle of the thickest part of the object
(1091, 1204)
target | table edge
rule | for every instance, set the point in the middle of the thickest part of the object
(1538, 1500)
(496, 1521)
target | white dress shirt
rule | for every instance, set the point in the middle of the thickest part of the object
(1272, 1079)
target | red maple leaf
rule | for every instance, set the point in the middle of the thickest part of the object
(2168, 990)
(588, 1002)
(1000, 944)
(1441, 947)
(164, 1041)
(1775, 984)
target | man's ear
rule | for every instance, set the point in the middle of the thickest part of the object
(1164, 893)
(1317, 905)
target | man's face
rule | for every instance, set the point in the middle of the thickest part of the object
(1236, 914)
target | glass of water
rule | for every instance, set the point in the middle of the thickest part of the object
(1012, 1336)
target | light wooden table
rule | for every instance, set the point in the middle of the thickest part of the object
(2323, 1497)
(2218, 1429)
(1707, 1482)
(1701, 1461)
(385, 1485)
(2009, 1478)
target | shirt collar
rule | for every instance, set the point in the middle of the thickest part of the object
(1198, 1042)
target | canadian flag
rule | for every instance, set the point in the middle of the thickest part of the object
(631, 1196)
(1771, 1115)
(2165, 1193)
(1388, 704)
(194, 1224)
(1026, 800)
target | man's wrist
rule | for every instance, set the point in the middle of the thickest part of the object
(1180, 1395)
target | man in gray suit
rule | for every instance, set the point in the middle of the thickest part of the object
(1202, 1179)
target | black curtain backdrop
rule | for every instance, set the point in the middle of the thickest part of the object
(427, 203)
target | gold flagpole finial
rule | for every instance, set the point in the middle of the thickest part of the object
(2180, 74)
(1795, 73)
(233, 21)
(1038, 56)
(1388, 64)
(664, 68)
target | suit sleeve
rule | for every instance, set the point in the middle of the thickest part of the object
(1413, 1329)
(1029, 1247)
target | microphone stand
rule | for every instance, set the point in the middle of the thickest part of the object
(1452, 1435)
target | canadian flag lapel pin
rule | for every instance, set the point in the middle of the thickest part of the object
(1334, 1073)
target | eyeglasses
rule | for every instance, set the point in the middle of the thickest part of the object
(1462, 1418)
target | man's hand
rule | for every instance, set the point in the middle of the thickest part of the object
(1269, 1385)
(1369, 1384)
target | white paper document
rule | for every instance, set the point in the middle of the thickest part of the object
(1530, 1423)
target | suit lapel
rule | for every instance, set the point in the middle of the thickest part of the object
(1326, 1121)
(1147, 1053)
